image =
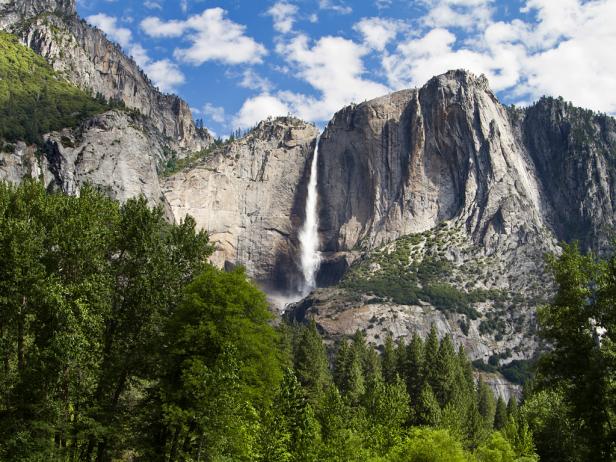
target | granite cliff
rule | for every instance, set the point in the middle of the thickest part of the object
(451, 200)
(249, 196)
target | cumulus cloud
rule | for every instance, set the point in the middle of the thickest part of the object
(215, 113)
(283, 14)
(465, 14)
(258, 108)
(338, 6)
(165, 74)
(378, 32)
(524, 58)
(152, 5)
(253, 81)
(108, 24)
(333, 66)
(213, 37)
(557, 48)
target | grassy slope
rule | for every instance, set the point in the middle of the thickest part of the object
(33, 99)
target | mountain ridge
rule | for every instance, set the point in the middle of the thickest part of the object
(85, 57)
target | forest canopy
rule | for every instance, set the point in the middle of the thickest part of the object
(119, 341)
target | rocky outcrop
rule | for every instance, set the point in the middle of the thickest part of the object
(405, 162)
(85, 57)
(14, 11)
(249, 196)
(115, 151)
(574, 153)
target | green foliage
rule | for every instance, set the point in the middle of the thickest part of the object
(496, 449)
(85, 287)
(118, 341)
(175, 164)
(579, 370)
(407, 282)
(428, 445)
(33, 99)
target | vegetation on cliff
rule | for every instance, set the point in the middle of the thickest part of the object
(33, 99)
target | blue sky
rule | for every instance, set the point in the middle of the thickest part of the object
(238, 61)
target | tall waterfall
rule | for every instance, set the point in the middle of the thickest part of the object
(309, 234)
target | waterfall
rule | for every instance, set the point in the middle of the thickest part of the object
(309, 234)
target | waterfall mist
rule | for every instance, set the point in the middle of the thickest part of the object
(309, 234)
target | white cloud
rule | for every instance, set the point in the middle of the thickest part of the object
(184, 6)
(258, 108)
(253, 81)
(561, 48)
(108, 24)
(283, 14)
(165, 74)
(152, 5)
(337, 6)
(213, 38)
(378, 32)
(581, 67)
(465, 14)
(381, 4)
(333, 66)
(216, 113)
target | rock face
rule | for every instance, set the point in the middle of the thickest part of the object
(405, 162)
(85, 57)
(115, 151)
(249, 196)
(484, 190)
(574, 153)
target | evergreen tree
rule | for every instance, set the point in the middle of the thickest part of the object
(311, 364)
(486, 404)
(390, 360)
(500, 416)
(426, 408)
(414, 371)
(445, 373)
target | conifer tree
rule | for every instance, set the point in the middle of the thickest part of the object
(414, 371)
(311, 364)
(486, 404)
(426, 408)
(500, 416)
(389, 360)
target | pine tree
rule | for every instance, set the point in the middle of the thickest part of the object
(431, 347)
(342, 362)
(512, 407)
(311, 364)
(390, 360)
(486, 404)
(445, 373)
(426, 408)
(414, 371)
(500, 416)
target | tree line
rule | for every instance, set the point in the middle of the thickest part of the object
(119, 341)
